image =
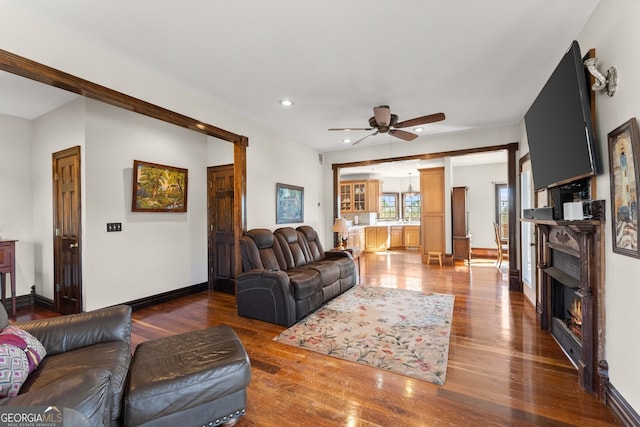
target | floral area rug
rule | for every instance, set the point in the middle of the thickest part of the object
(406, 332)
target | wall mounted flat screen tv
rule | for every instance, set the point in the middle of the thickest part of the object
(559, 127)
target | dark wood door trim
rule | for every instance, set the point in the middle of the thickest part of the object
(67, 232)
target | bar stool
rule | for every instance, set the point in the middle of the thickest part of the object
(435, 256)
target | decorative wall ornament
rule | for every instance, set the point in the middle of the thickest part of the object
(158, 188)
(624, 144)
(289, 204)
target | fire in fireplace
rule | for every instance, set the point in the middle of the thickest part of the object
(575, 317)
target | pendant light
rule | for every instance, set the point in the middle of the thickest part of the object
(410, 191)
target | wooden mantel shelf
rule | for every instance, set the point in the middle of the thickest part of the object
(578, 225)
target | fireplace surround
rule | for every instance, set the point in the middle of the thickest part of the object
(570, 265)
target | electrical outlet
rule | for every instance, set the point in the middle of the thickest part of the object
(114, 226)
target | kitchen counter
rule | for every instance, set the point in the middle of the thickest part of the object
(387, 235)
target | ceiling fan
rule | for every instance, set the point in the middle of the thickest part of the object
(383, 121)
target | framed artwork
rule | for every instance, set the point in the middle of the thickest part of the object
(289, 204)
(158, 188)
(624, 177)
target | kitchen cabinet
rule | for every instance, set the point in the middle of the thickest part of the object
(396, 236)
(411, 236)
(376, 239)
(460, 224)
(380, 238)
(432, 211)
(359, 196)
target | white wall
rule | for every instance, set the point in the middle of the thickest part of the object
(614, 33)
(16, 222)
(481, 180)
(58, 130)
(272, 160)
(155, 252)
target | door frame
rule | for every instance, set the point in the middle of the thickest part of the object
(530, 290)
(515, 282)
(57, 249)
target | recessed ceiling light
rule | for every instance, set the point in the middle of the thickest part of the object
(346, 140)
(286, 102)
(418, 130)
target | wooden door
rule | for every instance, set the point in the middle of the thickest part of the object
(67, 255)
(221, 241)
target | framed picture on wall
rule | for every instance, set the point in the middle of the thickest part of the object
(289, 204)
(624, 145)
(158, 188)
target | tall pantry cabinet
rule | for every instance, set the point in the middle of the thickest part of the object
(460, 224)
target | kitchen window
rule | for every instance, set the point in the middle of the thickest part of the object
(388, 206)
(411, 206)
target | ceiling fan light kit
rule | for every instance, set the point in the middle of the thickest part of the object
(383, 121)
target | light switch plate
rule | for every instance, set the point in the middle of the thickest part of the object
(114, 226)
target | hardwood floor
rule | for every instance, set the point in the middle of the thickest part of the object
(502, 371)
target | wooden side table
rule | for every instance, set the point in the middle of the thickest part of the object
(8, 265)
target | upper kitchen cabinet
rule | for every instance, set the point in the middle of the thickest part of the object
(360, 196)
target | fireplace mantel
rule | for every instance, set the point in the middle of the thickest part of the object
(582, 243)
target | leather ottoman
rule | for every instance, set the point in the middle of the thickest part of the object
(193, 379)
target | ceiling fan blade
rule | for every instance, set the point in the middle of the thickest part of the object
(407, 136)
(382, 115)
(347, 129)
(362, 139)
(437, 117)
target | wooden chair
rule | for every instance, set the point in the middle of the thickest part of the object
(502, 247)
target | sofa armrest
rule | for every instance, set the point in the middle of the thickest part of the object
(266, 295)
(66, 333)
(337, 254)
(88, 393)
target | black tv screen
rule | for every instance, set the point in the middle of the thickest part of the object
(559, 126)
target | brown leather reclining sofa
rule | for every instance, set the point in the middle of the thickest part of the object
(287, 274)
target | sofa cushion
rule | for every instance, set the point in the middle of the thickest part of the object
(20, 354)
(312, 244)
(329, 272)
(306, 282)
(269, 249)
(292, 248)
(14, 369)
(33, 349)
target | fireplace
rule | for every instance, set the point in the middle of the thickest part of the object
(571, 282)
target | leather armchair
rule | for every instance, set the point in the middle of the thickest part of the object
(86, 366)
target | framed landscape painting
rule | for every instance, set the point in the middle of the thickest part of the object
(158, 188)
(289, 204)
(624, 175)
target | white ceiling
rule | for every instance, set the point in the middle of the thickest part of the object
(480, 62)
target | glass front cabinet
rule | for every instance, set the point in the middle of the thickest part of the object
(359, 196)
